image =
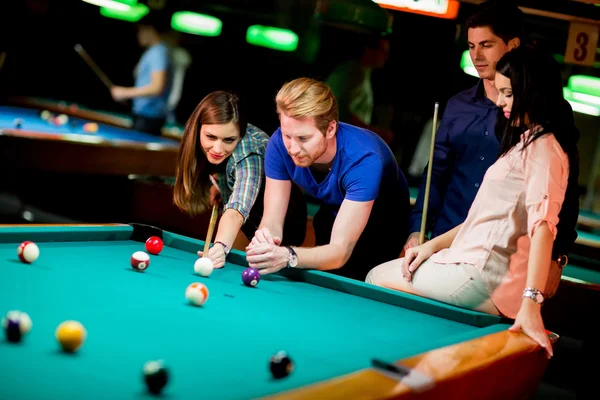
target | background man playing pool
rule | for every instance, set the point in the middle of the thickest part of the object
(153, 77)
(466, 144)
(364, 197)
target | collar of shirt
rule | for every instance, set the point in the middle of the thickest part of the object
(476, 94)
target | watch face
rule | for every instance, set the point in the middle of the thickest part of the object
(539, 298)
(293, 261)
(562, 261)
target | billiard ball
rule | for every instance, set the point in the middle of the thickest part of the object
(28, 252)
(140, 260)
(46, 115)
(196, 293)
(90, 127)
(280, 365)
(250, 277)
(18, 122)
(70, 335)
(16, 324)
(62, 119)
(203, 266)
(156, 376)
(154, 245)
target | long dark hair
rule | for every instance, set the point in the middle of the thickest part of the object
(192, 181)
(537, 90)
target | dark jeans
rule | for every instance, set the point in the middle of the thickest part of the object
(152, 126)
(382, 239)
(294, 228)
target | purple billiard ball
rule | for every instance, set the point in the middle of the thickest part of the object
(250, 277)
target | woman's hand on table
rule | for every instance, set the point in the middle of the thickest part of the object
(216, 254)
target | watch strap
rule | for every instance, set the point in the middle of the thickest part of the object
(533, 293)
(292, 255)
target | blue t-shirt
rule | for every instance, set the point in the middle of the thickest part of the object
(363, 168)
(155, 58)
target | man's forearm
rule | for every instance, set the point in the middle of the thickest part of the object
(324, 258)
(276, 230)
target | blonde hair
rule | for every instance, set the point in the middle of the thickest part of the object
(306, 97)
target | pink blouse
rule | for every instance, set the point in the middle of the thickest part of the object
(519, 191)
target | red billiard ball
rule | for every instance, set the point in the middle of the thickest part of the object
(28, 252)
(154, 245)
(140, 261)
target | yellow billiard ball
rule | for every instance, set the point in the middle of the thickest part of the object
(70, 335)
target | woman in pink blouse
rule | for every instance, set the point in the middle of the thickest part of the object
(498, 260)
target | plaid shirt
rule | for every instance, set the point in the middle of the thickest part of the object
(240, 183)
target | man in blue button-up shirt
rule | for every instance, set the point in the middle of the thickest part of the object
(466, 144)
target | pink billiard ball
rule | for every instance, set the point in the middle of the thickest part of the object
(154, 245)
(140, 261)
(28, 252)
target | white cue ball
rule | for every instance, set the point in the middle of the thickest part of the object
(203, 266)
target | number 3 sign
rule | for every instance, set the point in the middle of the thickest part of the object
(582, 43)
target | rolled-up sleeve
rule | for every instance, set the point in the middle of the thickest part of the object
(546, 177)
(248, 178)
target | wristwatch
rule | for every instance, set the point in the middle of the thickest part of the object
(562, 260)
(293, 260)
(534, 294)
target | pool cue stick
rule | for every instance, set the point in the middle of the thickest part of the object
(86, 57)
(429, 167)
(211, 228)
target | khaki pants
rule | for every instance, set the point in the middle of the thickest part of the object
(458, 284)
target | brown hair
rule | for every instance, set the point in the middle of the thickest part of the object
(192, 182)
(306, 97)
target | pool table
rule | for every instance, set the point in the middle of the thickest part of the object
(81, 111)
(589, 219)
(587, 247)
(331, 327)
(40, 145)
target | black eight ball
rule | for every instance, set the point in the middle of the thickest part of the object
(280, 365)
(156, 376)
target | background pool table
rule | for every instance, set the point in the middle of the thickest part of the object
(330, 326)
(122, 120)
(60, 174)
(67, 148)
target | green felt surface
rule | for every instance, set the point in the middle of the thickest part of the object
(329, 325)
(590, 214)
(595, 239)
(584, 274)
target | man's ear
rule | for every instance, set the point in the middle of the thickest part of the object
(514, 43)
(331, 129)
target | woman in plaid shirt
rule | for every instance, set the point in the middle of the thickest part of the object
(221, 158)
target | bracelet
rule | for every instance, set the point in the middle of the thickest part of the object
(225, 247)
